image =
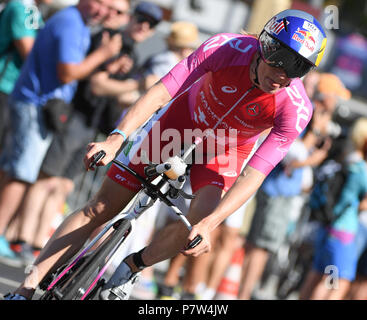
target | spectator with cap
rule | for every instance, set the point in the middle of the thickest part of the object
(181, 42)
(116, 77)
(57, 61)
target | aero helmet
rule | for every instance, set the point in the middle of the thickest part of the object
(294, 41)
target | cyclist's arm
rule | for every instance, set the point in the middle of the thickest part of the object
(156, 97)
(245, 186)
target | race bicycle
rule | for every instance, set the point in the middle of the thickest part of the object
(82, 276)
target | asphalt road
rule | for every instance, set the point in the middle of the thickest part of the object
(10, 278)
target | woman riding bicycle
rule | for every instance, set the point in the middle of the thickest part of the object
(231, 84)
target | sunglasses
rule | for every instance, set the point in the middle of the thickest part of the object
(277, 55)
(119, 12)
(141, 18)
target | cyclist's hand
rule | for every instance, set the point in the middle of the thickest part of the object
(204, 245)
(110, 146)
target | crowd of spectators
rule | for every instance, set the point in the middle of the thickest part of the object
(83, 58)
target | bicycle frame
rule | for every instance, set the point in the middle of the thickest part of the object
(149, 194)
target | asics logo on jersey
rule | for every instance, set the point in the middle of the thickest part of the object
(229, 89)
(214, 96)
(230, 174)
(253, 109)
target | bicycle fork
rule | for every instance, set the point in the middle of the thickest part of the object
(144, 201)
(140, 204)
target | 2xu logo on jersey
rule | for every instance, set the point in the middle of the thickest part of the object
(303, 113)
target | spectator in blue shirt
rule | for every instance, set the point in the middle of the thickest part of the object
(57, 61)
(19, 23)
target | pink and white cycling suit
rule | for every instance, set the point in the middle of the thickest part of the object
(212, 88)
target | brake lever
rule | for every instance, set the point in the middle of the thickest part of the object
(194, 242)
(186, 195)
(97, 158)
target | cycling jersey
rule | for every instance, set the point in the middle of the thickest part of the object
(211, 89)
(218, 78)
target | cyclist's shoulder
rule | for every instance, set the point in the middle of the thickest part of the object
(240, 36)
(231, 42)
(294, 94)
(293, 108)
(229, 49)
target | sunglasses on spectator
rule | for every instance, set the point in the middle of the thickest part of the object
(140, 18)
(119, 12)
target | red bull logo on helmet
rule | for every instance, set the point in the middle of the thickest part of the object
(305, 38)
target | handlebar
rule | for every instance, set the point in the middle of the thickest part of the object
(194, 242)
(154, 190)
(153, 170)
(97, 158)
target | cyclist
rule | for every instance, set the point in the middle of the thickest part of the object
(231, 81)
